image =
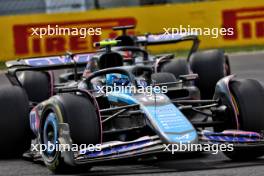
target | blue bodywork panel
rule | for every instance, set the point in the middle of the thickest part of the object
(166, 119)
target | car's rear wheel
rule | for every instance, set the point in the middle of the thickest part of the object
(177, 67)
(211, 67)
(80, 114)
(14, 122)
(38, 85)
(163, 77)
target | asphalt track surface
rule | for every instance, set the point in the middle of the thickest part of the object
(244, 65)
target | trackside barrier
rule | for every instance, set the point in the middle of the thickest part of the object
(246, 17)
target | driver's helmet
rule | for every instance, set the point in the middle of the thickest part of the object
(117, 79)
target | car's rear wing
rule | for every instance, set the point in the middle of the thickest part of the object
(52, 61)
(72, 61)
(62, 60)
(159, 39)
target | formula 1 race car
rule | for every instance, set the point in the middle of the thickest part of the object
(112, 123)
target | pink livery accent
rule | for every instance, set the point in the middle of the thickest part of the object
(227, 80)
(238, 132)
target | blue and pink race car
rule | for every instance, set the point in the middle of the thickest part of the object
(120, 111)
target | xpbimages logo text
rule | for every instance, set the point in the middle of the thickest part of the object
(82, 148)
(204, 31)
(131, 89)
(189, 147)
(69, 31)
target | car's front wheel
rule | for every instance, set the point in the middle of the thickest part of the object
(248, 109)
(81, 117)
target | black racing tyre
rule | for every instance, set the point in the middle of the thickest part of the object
(86, 120)
(163, 77)
(14, 122)
(248, 95)
(80, 114)
(36, 84)
(210, 66)
(177, 67)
